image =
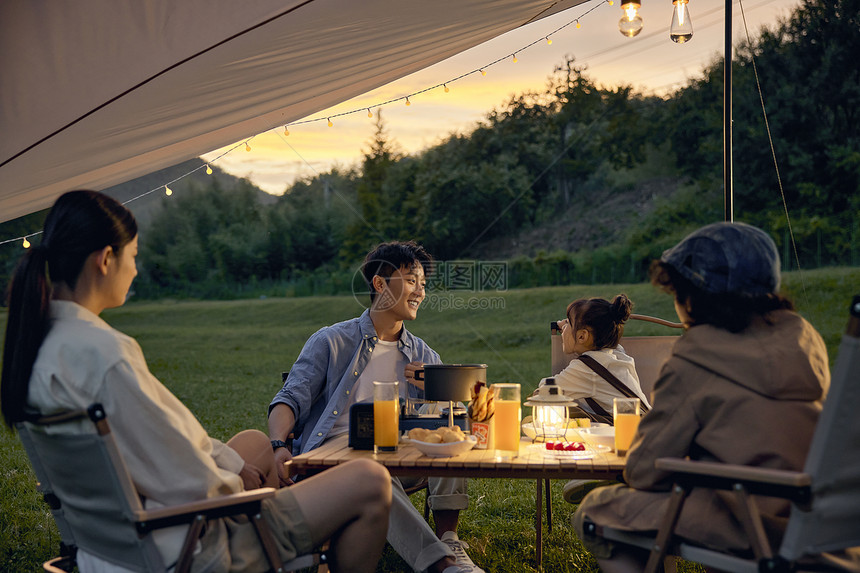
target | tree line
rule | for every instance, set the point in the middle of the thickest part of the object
(544, 153)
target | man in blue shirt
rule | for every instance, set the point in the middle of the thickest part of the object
(336, 369)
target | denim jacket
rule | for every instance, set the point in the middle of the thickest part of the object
(318, 386)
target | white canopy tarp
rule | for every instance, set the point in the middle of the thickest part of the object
(94, 93)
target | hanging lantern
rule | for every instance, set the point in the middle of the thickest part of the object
(550, 412)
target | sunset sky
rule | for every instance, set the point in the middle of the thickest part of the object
(650, 62)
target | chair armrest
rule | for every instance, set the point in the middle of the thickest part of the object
(234, 504)
(762, 481)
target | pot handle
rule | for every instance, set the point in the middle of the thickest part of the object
(421, 377)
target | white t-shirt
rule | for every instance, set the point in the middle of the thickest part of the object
(386, 363)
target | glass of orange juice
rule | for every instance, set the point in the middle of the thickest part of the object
(386, 416)
(625, 412)
(508, 413)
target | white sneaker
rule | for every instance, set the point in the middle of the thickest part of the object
(464, 563)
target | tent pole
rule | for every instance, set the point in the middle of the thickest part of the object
(727, 116)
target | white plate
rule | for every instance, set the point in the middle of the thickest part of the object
(444, 450)
(586, 454)
(599, 436)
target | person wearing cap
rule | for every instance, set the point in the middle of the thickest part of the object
(744, 385)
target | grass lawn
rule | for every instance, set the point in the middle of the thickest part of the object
(224, 361)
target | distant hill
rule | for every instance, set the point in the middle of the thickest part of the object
(598, 218)
(147, 206)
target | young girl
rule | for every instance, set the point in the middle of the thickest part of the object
(593, 328)
(59, 355)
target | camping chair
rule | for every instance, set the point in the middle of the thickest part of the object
(649, 353)
(823, 532)
(97, 509)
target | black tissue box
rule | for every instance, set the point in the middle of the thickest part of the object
(361, 426)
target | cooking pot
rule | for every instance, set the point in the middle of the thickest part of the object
(450, 382)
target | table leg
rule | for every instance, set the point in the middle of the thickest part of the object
(548, 505)
(539, 524)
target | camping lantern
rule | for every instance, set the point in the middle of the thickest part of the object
(549, 412)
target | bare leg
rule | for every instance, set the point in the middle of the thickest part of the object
(349, 505)
(256, 449)
(446, 520)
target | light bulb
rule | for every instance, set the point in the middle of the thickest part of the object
(408, 102)
(631, 24)
(247, 147)
(329, 122)
(515, 59)
(208, 170)
(26, 243)
(447, 89)
(682, 27)
(483, 72)
(548, 41)
(369, 113)
(578, 25)
(611, 3)
(168, 191)
(286, 130)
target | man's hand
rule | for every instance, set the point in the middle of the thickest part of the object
(410, 374)
(283, 455)
(252, 477)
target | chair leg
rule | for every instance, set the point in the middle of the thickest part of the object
(664, 534)
(751, 519)
(265, 536)
(186, 555)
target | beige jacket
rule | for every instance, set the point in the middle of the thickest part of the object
(751, 398)
(168, 453)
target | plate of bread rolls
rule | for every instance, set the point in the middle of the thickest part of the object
(444, 442)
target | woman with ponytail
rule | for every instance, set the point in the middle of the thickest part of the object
(60, 355)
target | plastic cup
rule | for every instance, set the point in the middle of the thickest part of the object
(508, 414)
(625, 412)
(386, 416)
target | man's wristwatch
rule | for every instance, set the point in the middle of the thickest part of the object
(279, 444)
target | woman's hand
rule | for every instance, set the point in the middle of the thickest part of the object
(283, 455)
(252, 477)
(410, 374)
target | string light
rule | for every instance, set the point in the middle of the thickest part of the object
(169, 192)
(407, 101)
